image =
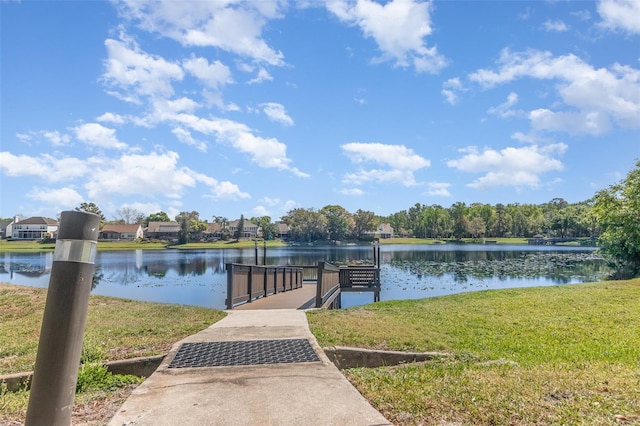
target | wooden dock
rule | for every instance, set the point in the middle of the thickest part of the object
(252, 287)
(301, 298)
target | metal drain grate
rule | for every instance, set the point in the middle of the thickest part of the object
(254, 352)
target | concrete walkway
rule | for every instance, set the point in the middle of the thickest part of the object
(300, 393)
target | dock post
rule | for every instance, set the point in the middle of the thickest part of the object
(256, 254)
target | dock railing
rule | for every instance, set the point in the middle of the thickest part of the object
(328, 292)
(246, 283)
(361, 278)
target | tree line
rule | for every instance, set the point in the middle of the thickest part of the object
(612, 217)
(557, 218)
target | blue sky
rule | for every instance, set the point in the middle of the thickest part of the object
(256, 108)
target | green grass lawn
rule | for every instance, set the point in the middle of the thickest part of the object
(35, 246)
(550, 355)
(116, 329)
(388, 241)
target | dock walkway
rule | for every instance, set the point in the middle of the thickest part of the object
(278, 375)
(300, 298)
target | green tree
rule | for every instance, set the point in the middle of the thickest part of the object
(339, 222)
(617, 209)
(399, 222)
(363, 221)
(502, 225)
(239, 229)
(476, 227)
(157, 217)
(186, 221)
(269, 230)
(92, 208)
(458, 213)
(305, 224)
(183, 234)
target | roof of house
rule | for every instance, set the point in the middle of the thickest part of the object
(213, 227)
(386, 227)
(156, 227)
(246, 225)
(283, 228)
(38, 220)
(121, 229)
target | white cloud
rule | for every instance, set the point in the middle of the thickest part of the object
(276, 112)
(62, 198)
(451, 90)
(134, 73)
(271, 201)
(450, 96)
(593, 123)
(262, 75)
(557, 26)
(45, 166)
(226, 191)
(54, 137)
(504, 110)
(152, 174)
(109, 117)
(439, 189)
(167, 110)
(94, 134)
(213, 75)
(518, 167)
(259, 211)
(352, 192)
(228, 25)
(280, 204)
(620, 15)
(266, 152)
(401, 161)
(398, 28)
(594, 97)
(185, 137)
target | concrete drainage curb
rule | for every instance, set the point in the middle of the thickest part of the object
(141, 367)
(344, 357)
(341, 357)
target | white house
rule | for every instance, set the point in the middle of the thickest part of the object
(33, 228)
(249, 230)
(121, 232)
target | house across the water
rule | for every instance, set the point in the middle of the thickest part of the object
(33, 228)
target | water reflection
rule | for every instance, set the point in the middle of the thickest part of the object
(198, 277)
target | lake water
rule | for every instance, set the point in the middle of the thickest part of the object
(198, 277)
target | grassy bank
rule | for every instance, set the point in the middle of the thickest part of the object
(116, 329)
(7, 246)
(35, 246)
(499, 241)
(552, 355)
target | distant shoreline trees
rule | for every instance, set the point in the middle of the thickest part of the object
(555, 219)
(612, 217)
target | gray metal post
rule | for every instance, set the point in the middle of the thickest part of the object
(65, 314)
(264, 253)
(256, 245)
